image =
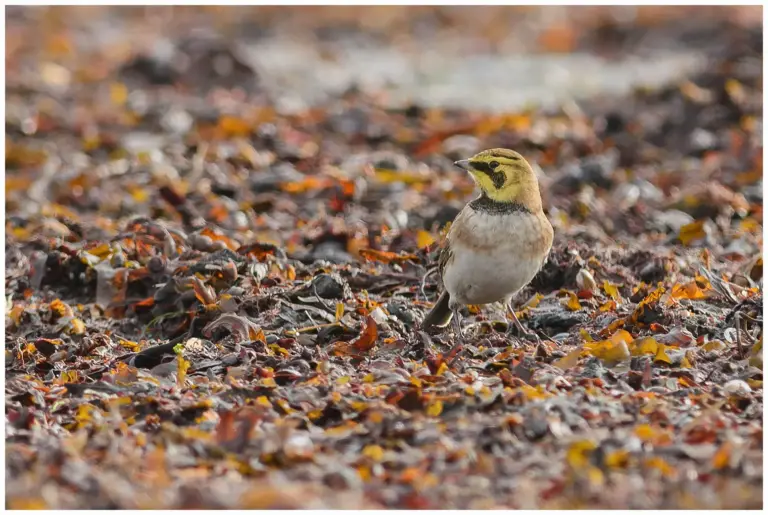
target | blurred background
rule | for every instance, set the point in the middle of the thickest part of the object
(474, 57)
(229, 104)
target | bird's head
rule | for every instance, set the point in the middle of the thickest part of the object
(504, 176)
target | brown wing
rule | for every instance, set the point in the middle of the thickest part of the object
(446, 254)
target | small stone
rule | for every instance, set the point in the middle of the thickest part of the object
(737, 388)
(585, 281)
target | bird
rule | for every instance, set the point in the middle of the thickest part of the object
(497, 243)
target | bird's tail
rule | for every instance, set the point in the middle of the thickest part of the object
(440, 314)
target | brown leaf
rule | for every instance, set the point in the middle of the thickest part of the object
(235, 428)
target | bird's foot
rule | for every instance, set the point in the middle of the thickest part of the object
(521, 330)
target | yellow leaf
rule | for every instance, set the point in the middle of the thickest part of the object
(714, 345)
(118, 92)
(617, 459)
(735, 89)
(613, 350)
(100, 251)
(685, 363)
(343, 380)
(572, 303)
(181, 372)
(584, 334)
(442, 369)
(391, 176)
(85, 413)
(645, 432)
(578, 453)
(26, 503)
(133, 346)
(534, 301)
(596, 476)
(424, 238)
(692, 232)
(642, 346)
(263, 401)
(339, 311)
(76, 326)
(268, 381)
(435, 408)
(608, 351)
(661, 355)
(69, 376)
(373, 452)
(139, 194)
(658, 463)
(568, 361)
(621, 336)
(611, 290)
(608, 306)
(416, 381)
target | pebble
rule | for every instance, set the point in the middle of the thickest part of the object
(737, 388)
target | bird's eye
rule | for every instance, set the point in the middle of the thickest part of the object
(493, 164)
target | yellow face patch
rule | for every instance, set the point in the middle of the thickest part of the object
(501, 177)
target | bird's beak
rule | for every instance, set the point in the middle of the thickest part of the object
(463, 164)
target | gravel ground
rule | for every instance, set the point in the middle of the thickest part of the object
(219, 222)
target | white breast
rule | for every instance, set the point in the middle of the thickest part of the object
(494, 256)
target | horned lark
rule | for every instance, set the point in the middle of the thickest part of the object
(497, 243)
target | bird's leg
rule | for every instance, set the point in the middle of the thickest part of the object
(458, 337)
(523, 331)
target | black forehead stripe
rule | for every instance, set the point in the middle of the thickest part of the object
(481, 166)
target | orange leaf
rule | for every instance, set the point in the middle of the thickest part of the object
(689, 291)
(367, 338)
(309, 183)
(232, 126)
(558, 39)
(62, 309)
(386, 257)
(723, 456)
